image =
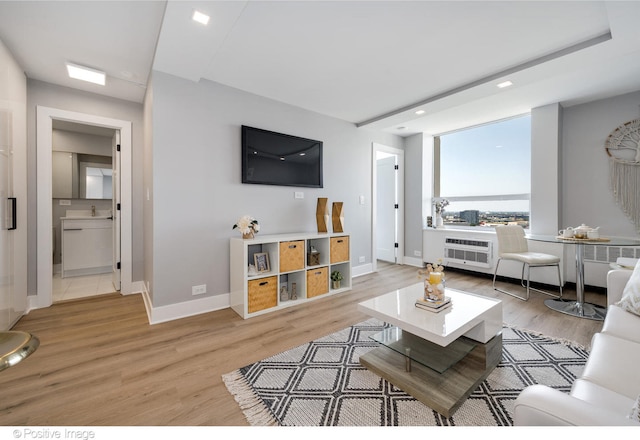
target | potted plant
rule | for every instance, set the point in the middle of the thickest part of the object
(336, 277)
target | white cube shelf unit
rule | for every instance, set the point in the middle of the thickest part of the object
(289, 266)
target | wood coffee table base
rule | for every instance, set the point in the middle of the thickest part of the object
(442, 392)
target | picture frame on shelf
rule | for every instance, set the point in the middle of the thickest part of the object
(261, 261)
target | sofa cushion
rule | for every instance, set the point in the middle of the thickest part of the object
(631, 294)
(622, 324)
(613, 364)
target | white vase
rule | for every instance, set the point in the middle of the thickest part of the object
(439, 222)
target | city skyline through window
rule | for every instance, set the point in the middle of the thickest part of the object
(487, 169)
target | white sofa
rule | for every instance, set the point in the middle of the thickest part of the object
(608, 391)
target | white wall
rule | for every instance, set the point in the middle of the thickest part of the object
(587, 197)
(417, 196)
(197, 190)
(546, 169)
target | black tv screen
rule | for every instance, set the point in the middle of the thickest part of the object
(270, 158)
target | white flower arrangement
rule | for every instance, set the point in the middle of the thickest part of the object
(247, 225)
(440, 205)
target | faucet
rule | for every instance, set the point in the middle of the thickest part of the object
(93, 210)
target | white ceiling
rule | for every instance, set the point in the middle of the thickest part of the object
(372, 63)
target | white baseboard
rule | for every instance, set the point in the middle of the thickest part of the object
(170, 312)
(410, 261)
(357, 271)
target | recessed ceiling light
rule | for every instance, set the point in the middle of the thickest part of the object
(402, 128)
(200, 17)
(420, 112)
(86, 74)
(504, 84)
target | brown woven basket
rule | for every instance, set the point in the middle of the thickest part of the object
(317, 282)
(263, 294)
(291, 255)
(339, 249)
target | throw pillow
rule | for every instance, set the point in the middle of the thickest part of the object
(635, 411)
(631, 294)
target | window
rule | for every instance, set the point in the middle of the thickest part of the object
(485, 173)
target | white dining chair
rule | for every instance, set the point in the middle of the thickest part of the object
(512, 245)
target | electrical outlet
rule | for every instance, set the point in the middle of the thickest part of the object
(298, 195)
(65, 202)
(199, 290)
(361, 260)
(417, 253)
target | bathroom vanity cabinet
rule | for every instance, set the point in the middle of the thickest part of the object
(87, 246)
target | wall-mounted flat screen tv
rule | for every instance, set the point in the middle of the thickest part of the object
(271, 158)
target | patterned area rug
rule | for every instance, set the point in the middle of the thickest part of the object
(323, 384)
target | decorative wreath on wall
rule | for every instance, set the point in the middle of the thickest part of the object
(623, 149)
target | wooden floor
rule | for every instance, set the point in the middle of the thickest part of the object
(101, 363)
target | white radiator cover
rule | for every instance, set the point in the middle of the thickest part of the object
(468, 251)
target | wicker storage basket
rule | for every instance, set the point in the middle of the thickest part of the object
(263, 294)
(317, 281)
(291, 255)
(339, 249)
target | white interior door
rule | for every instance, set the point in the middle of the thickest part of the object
(116, 205)
(387, 218)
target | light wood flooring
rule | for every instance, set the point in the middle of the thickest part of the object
(101, 363)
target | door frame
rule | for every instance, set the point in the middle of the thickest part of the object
(374, 204)
(44, 146)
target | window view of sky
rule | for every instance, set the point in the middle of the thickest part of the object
(489, 160)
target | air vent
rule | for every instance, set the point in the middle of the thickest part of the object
(609, 254)
(468, 251)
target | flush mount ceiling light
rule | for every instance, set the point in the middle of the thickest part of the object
(504, 84)
(200, 17)
(86, 74)
(420, 112)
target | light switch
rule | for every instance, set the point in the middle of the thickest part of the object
(362, 200)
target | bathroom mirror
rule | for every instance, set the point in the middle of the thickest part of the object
(81, 160)
(81, 176)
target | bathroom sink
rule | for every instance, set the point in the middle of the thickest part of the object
(75, 214)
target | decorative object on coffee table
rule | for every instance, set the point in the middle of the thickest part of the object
(322, 214)
(248, 226)
(337, 217)
(433, 275)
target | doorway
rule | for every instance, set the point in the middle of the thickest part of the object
(387, 204)
(84, 163)
(45, 120)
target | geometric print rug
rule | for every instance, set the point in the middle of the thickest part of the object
(322, 383)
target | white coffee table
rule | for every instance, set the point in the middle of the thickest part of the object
(437, 357)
